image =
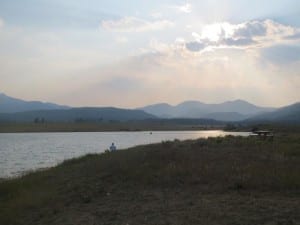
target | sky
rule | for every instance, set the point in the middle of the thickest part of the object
(134, 53)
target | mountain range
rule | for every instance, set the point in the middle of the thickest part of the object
(287, 114)
(228, 111)
(11, 105)
(76, 115)
(16, 110)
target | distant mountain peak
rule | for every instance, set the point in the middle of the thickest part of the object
(190, 103)
(11, 105)
(287, 114)
(3, 95)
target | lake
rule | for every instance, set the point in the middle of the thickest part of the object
(22, 152)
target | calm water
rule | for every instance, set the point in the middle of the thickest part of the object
(28, 151)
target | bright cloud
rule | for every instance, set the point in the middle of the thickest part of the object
(256, 34)
(134, 24)
(216, 32)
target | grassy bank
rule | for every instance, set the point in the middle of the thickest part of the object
(229, 180)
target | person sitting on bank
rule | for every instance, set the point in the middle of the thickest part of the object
(112, 147)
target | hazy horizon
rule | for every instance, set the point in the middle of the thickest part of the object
(136, 53)
(154, 103)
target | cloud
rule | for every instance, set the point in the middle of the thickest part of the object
(1, 22)
(251, 34)
(185, 8)
(237, 42)
(282, 54)
(134, 24)
(121, 40)
(231, 74)
(295, 36)
(195, 46)
(272, 42)
(267, 29)
(250, 29)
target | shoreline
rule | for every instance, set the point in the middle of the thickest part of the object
(95, 144)
(229, 180)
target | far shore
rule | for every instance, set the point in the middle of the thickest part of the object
(101, 127)
(159, 125)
